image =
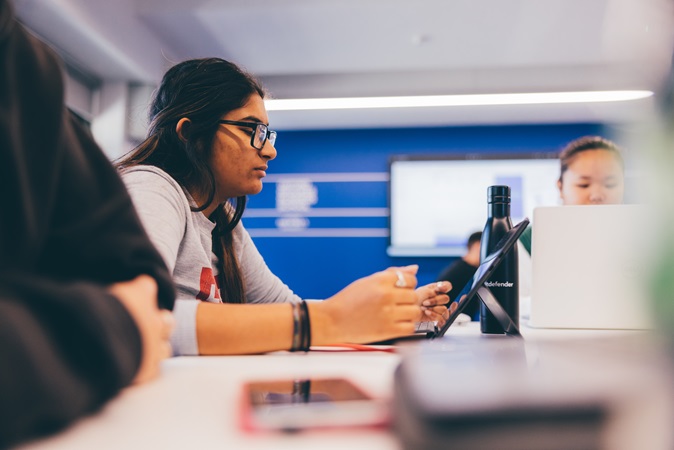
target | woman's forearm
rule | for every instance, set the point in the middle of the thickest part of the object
(371, 309)
(227, 329)
(231, 329)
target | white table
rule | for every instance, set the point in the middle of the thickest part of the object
(195, 403)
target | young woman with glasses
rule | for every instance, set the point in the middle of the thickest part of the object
(208, 147)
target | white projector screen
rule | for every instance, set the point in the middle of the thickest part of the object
(437, 201)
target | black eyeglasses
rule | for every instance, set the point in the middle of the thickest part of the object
(260, 135)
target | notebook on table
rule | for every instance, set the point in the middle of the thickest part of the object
(479, 292)
(586, 268)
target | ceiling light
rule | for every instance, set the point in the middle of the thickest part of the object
(454, 100)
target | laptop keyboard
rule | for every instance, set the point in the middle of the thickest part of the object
(423, 327)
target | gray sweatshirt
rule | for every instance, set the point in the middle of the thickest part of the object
(183, 238)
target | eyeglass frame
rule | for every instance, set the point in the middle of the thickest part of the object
(270, 136)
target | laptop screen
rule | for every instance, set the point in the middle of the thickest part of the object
(589, 264)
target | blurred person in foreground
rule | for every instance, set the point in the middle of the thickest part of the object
(81, 286)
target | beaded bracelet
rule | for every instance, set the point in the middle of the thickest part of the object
(305, 326)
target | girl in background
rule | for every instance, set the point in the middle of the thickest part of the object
(592, 172)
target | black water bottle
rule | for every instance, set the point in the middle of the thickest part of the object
(503, 283)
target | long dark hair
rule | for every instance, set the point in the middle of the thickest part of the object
(202, 90)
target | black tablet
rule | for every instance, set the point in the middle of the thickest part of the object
(480, 291)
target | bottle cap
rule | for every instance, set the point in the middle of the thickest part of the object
(498, 194)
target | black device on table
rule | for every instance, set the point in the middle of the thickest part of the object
(480, 291)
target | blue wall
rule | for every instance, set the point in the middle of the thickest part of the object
(318, 267)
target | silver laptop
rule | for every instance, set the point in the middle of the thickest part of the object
(588, 268)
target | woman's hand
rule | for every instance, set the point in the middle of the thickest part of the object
(433, 299)
(139, 296)
(381, 306)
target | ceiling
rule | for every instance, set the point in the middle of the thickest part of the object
(352, 48)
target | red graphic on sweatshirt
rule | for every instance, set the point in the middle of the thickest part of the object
(208, 287)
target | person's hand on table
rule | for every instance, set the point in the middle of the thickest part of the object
(433, 301)
(374, 308)
(139, 296)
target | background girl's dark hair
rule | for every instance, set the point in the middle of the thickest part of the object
(585, 143)
(201, 90)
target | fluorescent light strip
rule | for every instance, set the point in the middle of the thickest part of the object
(454, 100)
